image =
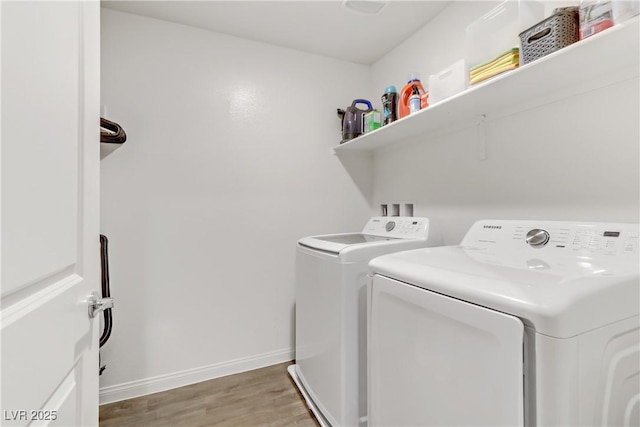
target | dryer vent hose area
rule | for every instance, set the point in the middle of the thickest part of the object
(106, 293)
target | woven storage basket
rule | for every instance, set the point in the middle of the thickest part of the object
(557, 31)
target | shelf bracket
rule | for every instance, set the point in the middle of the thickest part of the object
(481, 128)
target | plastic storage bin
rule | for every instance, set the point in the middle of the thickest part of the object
(625, 9)
(448, 82)
(557, 31)
(497, 31)
(595, 16)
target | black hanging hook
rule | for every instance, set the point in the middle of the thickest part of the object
(112, 133)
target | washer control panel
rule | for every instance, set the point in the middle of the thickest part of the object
(594, 238)
(609, 241)
(401, 227)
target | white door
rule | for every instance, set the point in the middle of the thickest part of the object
(438, 361)
(49, 211)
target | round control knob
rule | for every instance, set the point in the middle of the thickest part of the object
(537, 237)
(390, 225)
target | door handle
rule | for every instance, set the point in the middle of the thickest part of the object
(97, 304)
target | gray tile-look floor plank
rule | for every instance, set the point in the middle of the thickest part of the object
(264, 397)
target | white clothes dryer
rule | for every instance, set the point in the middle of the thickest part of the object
(525, 323)
(331, 277)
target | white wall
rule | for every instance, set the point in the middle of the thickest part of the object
(572, 159)
(227, 163)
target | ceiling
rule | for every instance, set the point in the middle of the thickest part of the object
(324, 27)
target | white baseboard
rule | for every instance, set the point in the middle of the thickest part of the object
(165, 382)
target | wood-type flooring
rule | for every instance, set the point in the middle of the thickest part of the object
(263, 397)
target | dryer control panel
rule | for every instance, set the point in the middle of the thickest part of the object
(568, 237)
(401, 227)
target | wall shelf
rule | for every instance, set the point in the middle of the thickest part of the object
(601, 60)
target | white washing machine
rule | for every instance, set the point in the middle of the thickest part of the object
(525, 323)
(331, 277)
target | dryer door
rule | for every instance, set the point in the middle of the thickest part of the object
(436, 360)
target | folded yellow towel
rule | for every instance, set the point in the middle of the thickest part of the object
(507, 60)
(509, 53)
(495, 64)
(493, 72)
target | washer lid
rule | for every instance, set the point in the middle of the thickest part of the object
(335, 243)
(377, 231)
(562, 292)
(352, 239)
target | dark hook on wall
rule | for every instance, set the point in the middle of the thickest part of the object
(106, 293)
(111, 132)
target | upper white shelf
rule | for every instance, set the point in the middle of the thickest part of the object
(598, 61)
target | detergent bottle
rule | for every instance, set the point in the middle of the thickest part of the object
(407, 91)
(389, 105)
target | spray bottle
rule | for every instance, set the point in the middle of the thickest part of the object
(407, 91)
(414, 100)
